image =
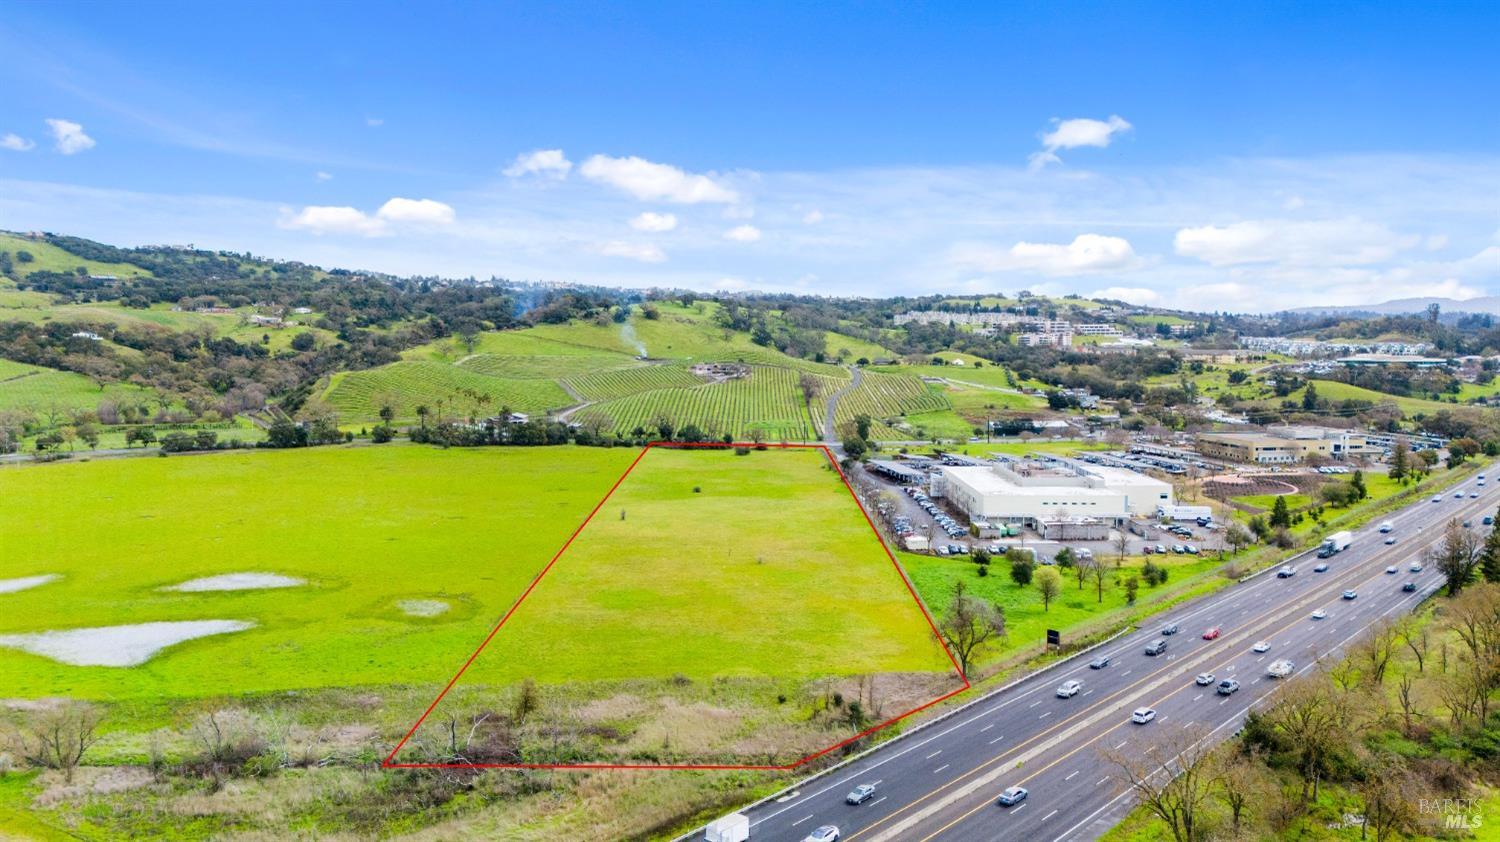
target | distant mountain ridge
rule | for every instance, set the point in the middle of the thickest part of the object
(1484, 304)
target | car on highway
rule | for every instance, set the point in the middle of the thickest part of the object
(1281, 668)
(1169, 630)
(1390, 541)
(1386, 526)
(1211, 633)
(1488, 520)
(1351, 594)
(1099, 663)
(1286, 572)
(1227, 686)
(1321, 568)
(1320, 614)
(1204, 679)
(1437, 498)
(1261, 646)
(1013, 796)
(1409, 587)
(826, 833)
(1473, 495)
(1143, 715)
(1069, 689)
(1416, 567)
(1458, 495)
(1466, 524)
(1156, 647)
(1391, 569)
(860, 794)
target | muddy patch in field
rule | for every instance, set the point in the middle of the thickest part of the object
(424, 607)
(117, 646)
(236, 582)
(25, 583)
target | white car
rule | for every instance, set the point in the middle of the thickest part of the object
(1204, 679)
(1143, 715)
(1069, 689)
(1014, 795)
(1391, 569)
(1351, 594)
(1320, 614)
(1437, 498)
(826, 833)
(1261, 646)
(1416, 567)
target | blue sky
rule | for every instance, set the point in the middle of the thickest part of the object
(1269, 155)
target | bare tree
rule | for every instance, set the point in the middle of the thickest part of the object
(57, 736)
(1456, 556)
(1376, 651)
(1098, 572)
(1416, 637)
(1314, 724)
(1122, 546)
(969, 625)
(1240, 781)
(1173, 779)
(1385, 791)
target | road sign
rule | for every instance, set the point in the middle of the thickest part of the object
(1054, 637)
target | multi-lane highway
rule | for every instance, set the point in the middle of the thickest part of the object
(941, 782)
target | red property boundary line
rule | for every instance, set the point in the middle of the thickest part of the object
(390, 760)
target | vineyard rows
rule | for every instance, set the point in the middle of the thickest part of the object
(358, 395)
(548, 367)
(768, 400)
(609, 385)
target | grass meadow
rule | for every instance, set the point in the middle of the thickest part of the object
(769, 568)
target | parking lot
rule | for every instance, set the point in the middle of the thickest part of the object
(910, 511)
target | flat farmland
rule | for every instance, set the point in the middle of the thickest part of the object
(406, 554)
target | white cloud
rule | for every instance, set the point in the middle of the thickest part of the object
(649, 181)
(1088, 253)
(644, 252)
(69, 136)
(374, 121)
(325, 219)
(743, 234)
(16, 143)
(1131, 295)
(655, 222)
(331, 219)
(548, 163)
(812, 217)
(1293, 203)
(1436, 242)
(1074, 133)
(416, 211)
(1325, 242)
(323, 176)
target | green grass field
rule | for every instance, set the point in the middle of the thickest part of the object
(792, 574)
(405, 385)
(708, 564)
(50, 258)
(37, 389)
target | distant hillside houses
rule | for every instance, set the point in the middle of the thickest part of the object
(1318, 348)
(989, 323)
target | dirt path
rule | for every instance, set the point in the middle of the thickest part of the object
(565, 414)
(830, 435)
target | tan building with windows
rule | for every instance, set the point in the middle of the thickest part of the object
(1285, 445)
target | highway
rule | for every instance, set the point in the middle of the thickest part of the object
(942, 781)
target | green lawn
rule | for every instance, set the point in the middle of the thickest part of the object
(50, 258)
(41, 390)
(1025, 619)
(770, 569)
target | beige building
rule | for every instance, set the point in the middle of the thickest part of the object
(1019, 491)
(1285, 445)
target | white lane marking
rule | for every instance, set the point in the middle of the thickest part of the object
(986, 728)
(1045, 715)
(1101, 782)
(1033, 704)
(1226, 699)
(1125, 673)
(878, 800)
(1049, 815)
(1018, 809)
(1072, 776)
(1121, 745)
(934, 754)
(1086, 692)
(1256, 680)
(997, 739)
(801, 820)
(1197, 697)
(940, 768)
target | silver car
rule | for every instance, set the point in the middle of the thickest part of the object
(1069, 689)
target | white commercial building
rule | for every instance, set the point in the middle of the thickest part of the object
(1026, 492)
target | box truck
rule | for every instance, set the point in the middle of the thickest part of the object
(732, 828)
(1185, 512)
(1335, 543)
